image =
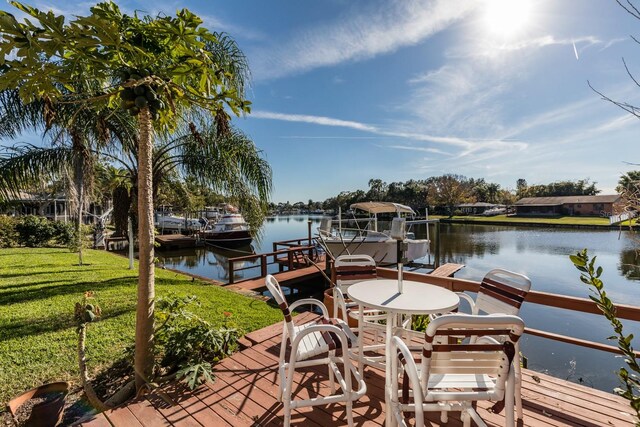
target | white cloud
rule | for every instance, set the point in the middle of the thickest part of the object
(318, 120)
(465, 146)
(358, 35)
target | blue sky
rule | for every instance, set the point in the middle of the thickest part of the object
(345, 91)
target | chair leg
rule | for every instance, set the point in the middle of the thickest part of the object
(518, 383)
(350, 413)
(466, 418)
(361, 341)
(332, 381)
(286, 400)
(509, 399)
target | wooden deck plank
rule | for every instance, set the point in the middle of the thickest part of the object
(171, 410)
(98, 420)
(123, 416)
(191, 402)
(447, 270)
(146, 414)
(244, 394)
(284, 278)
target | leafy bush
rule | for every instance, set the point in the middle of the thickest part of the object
(187, 343)
(64, 234)
(34, 231)
(8, 233)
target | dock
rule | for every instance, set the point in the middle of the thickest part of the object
(285, 278)
(246, 384)
(176, 241)
(447, 270)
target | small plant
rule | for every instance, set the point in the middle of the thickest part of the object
(86, 311)
(188, 344)
(591, 277)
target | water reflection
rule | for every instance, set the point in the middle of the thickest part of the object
(629, 264)
(210, 261)
(542, 254)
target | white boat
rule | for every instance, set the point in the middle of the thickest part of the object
(165, 221)
(230, 231)
(382, 246)
(495, 211)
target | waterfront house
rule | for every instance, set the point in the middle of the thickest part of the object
(56, 207)
(603, 206)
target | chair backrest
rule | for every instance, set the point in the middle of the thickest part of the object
(276, 292)
(350, 269)
(491, 357)
(502, 291)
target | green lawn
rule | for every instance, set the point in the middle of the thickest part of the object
(38, 290)
(563, 220)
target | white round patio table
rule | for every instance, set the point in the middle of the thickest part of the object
(416, 298)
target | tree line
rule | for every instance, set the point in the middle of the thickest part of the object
(445, 193)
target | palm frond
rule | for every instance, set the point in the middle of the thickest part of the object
(26, 165)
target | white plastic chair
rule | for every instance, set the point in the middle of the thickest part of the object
(502, 292)
(451, 377)
(308, 341)
(351, 269)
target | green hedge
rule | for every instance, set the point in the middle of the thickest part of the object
(34, 232)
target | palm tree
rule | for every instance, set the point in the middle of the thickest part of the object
(76, 131)
(164, 69)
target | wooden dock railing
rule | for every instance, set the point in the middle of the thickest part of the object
(292, 257)
(582, 305)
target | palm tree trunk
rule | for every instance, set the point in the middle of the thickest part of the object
(146, 292)
(79, 183)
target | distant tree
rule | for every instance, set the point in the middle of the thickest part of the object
(506, 197)
(630, 181)
(485, 191)
(450, 190)
(377, 190)
(581, 187)
(521, 188)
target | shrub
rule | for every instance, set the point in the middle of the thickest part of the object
(34, 231)
(8, 233)
(64, 234)
(187, 343)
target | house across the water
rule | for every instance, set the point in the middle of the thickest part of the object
(603, 206)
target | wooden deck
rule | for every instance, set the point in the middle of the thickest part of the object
(170, 242)
(246, 385)
(285, 278)
(447, 270)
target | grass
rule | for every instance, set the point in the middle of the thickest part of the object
(562, 220)
(38, 290)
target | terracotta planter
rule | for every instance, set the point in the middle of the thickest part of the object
(46, 414)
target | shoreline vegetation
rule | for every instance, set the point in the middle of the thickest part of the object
(509, 220)
(38, 290)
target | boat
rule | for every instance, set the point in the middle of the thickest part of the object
(495, 211)
(382, 246)
(230, 231)
(165, 221)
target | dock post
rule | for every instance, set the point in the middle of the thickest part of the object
(436, 261)
(263, 266)
(310, 244)
(231, 271)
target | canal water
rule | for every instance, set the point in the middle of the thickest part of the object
(542, 254)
